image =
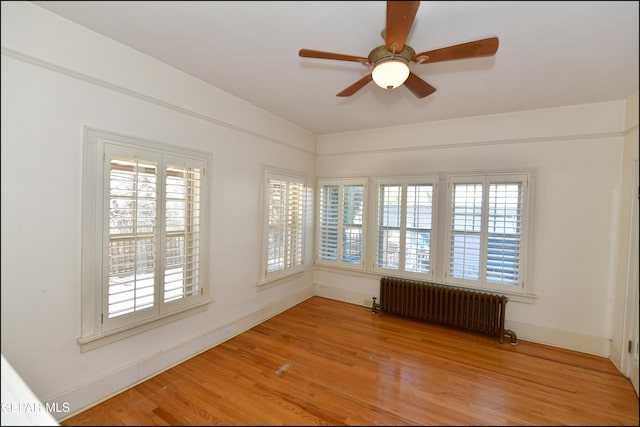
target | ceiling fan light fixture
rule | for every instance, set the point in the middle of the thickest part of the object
(390, 67)
(390, 74)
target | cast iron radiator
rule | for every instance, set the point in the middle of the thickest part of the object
(461, 308)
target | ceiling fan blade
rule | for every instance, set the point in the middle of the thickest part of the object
(400, 16)
(309, 53)
(418, 87)
(356, 86)
(484, 47)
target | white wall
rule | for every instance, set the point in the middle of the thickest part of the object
(576, 154)
(58, 77)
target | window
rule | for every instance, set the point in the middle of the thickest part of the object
(473, 235)
(487, 231)
(340, 222)
(404, 226)
(143, 233)
(284, 224)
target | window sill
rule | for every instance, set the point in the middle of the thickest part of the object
(97, 341)
(343, 269)
(268, 282)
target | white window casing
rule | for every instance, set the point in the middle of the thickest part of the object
(144, 235)
(487, 231)
(284, 225)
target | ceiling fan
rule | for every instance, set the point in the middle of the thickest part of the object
(390, 62)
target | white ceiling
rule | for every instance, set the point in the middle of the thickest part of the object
(551, 54)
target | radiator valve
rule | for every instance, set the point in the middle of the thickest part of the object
(513, 338)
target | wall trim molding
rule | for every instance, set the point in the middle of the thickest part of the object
(461, 145)
(10, 53)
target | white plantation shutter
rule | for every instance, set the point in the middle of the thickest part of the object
(487, 216)
(132, 244)
(294, 224)
(389, 217)
(405, 221)
(328, 222)
(466, 226)
(504, 231)
(351, 233)
(286, 206)
(153, 235)
(340, 222)
(419, 209)
(277, 205)
(182, 227)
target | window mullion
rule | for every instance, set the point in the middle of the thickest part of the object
(285, 209)
(339, 237)
(106, 239)
(484, 233)
(403, 227)
(160, 235)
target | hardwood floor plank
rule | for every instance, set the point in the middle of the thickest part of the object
(325, 362)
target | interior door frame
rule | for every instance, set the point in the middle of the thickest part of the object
(631, 328)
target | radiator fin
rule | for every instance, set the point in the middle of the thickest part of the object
(461, 308)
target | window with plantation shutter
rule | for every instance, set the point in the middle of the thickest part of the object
(340, 222)
(473, 235)
(486, 235)
(285, 223)
(145, 262)
(404, 226)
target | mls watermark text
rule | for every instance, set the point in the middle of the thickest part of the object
(35, 407)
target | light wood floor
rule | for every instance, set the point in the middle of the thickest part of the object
(325, 362)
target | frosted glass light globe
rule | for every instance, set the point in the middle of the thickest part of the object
(390, 74)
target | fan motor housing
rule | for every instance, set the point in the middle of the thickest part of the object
(380, 54)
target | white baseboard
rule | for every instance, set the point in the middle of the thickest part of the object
(101, 389)
(559, 338)
(554, 337)
(341, 294)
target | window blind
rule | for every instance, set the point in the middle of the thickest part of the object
(328, 222)
(132, 243)
(466, 226)
(148, 255)
(486, 230)
(389, 212)
(419, 208)
(182, 225)
(340, 221)
(504, 230)
(286, 198)
(353, 204)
